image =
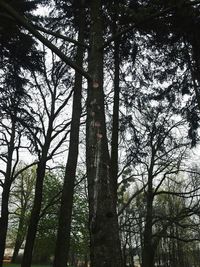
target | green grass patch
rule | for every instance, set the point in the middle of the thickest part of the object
(18, 265)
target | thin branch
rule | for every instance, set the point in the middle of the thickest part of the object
(23, 169)
(52, 202)
(63, 37)
(180, 194)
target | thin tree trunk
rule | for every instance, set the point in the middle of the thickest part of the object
(148, 253)
(5, 194)
(37, 202)
(64, 225)
(115, 122)
(104, 235)
(21, 231)
(4, 221)
(35, 214)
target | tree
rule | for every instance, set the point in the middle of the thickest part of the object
(12, 132)
(79, 249)
(46, 234)
(21, 198)
(44, 135)
(153, 151)
(64, 226)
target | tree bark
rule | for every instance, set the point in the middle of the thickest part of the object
(4, 221)
(148, 253)
(64, 225)
(115, 122)
(35, 213)
(6, 193)
(104, 235)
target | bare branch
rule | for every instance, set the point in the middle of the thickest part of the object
(63, 37)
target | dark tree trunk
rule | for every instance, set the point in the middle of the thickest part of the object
(4, 221)
(64, 225)
(104, 235)
(35, 213)
(115, 122)
(124, 256)
(6, 194)
(21, 231)
(18, 245)
(148, 253)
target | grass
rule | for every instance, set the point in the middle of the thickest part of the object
(18, 265)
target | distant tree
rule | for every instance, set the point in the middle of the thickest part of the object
(20, 203)
(177, 208)
(46, 234)
(79, 249)
(155, 152)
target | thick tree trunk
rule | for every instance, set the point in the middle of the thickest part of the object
(104, 234)
(35, 214)
(64, 225)
(148, 253)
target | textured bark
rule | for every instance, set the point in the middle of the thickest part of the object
(6, 193)
(64, 225)
(104, 235)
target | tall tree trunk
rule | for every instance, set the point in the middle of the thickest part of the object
(104, 235)
(64, 225)
(4, 221)
(115, 122)
(148, 253)
(35, 213)
(6, 194)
